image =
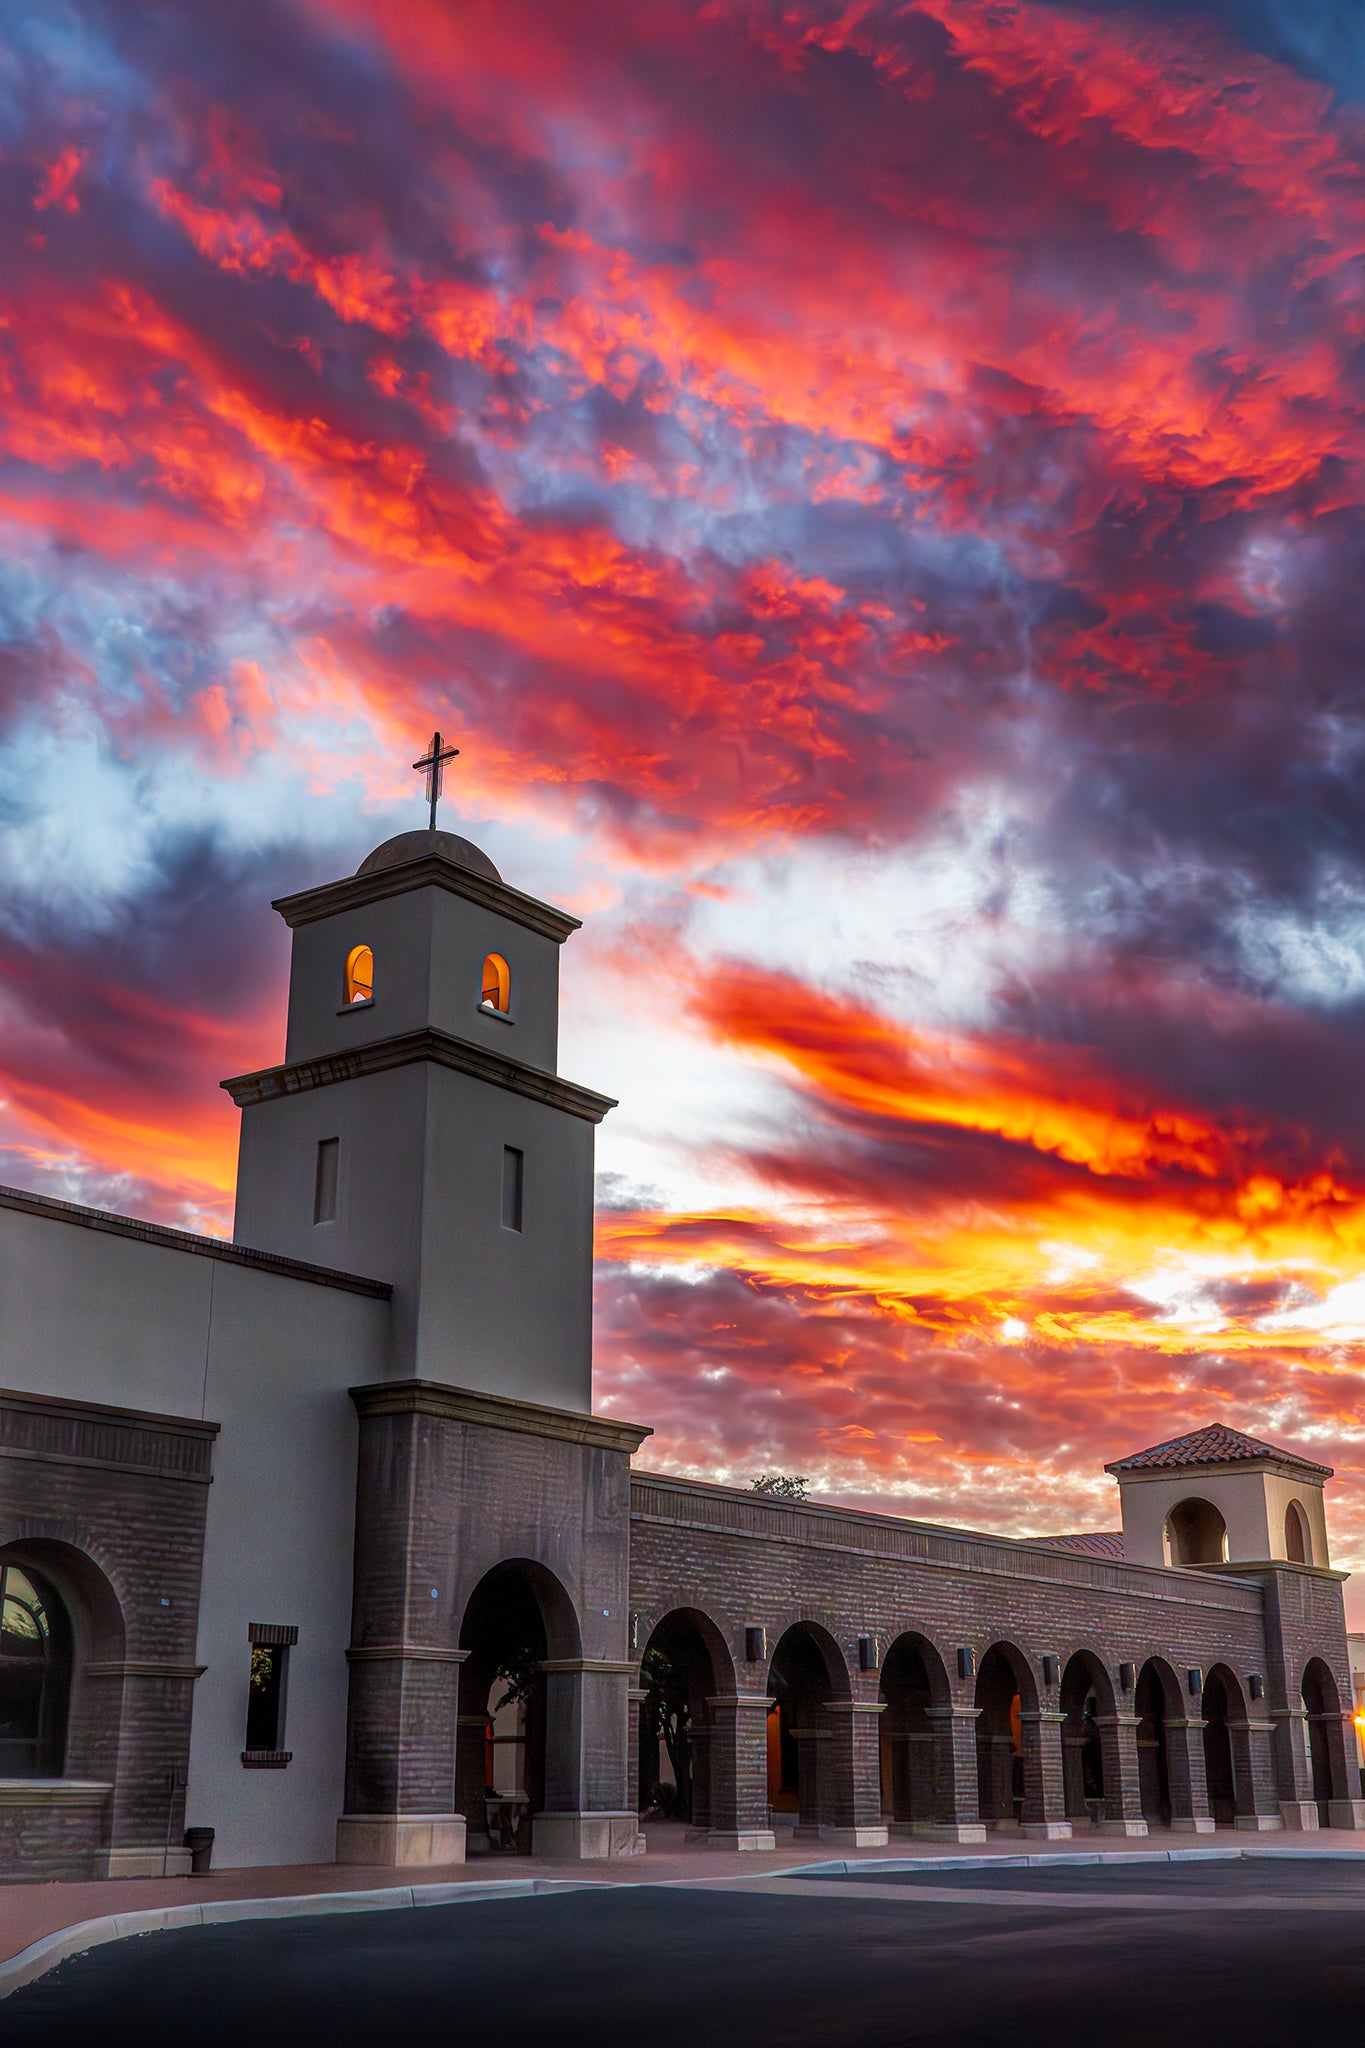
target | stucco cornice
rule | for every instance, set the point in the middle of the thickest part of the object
(430, 872)
(492, 1411)
(442, 1049)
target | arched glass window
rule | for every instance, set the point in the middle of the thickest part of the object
(1298, 1544)
(35, 1676)
(360, 975)
(497, 984)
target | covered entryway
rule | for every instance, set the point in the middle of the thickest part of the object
(1226, 1761)
(684, 1667)
(1156, 1699)
(1086, 1697)
(1326, 1738)
(916, 1748)
(1005, 1691)
(506, 1765)
(806, 1672)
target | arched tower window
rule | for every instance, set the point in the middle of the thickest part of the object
(1197, 1533)
(1298, 1544)
(360, 975)
(497, 984)
(35, 1676)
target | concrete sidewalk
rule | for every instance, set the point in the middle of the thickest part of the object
(31, 1912)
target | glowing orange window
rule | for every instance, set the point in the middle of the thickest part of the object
(497, 984)
(360, 975)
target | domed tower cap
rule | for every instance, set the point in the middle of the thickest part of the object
(461, 853)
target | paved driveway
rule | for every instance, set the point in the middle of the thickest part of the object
(1259, 1954)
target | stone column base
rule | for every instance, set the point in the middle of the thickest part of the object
(1300, 1816)
(1132, 1828)
(741, 1839)
(872, 1836)
(1346, 1813)
(1202, 1824)
(586, 1837)
(1259, 1823)
(939, 1830)
(149, 1862)
(1046, 1830)
(401, 1841)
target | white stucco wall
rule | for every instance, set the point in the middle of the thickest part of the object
(1251, 1500)
(94, 1315)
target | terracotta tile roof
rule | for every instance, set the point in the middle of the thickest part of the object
(1213, 1445)
(1093, 1543)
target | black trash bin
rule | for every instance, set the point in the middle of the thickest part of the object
(199, 1842)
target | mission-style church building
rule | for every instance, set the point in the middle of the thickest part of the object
(313, 1539)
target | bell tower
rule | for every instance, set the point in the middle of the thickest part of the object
(418, 1132)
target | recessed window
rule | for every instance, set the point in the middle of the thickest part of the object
(266, 1691)
(35, 1676)
(1298, 1544)
(360, 975)
(497, 984)
(513, 1174)
(325, 1180)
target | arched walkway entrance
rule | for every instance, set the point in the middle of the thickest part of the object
(1005, 1692)
(509, 1766)
(1326, 1738)
(1226, 1759)
(916, 1748)
(805, 1674)
(1156, 1699)
(685, 1666)
(1087, 1699)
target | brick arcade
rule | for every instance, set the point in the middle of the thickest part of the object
(313, 1538)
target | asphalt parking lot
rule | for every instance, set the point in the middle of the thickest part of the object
(1259, 1953)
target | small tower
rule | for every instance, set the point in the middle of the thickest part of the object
(1218, 1497)
(417, 1131)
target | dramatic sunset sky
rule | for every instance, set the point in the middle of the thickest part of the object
(876, 493)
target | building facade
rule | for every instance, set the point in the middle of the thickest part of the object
(313, 1538)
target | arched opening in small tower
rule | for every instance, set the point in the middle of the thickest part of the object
(497, 984)
(1298, 1544)
(360, 975)
(1196, 1533)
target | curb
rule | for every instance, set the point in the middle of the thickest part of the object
(50, 1949)
(841, 1867)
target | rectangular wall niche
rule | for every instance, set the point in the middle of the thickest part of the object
(325, 1185)
(513, 1173)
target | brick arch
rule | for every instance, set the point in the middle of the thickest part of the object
(1326, 1736)
(1227, 1758)
(1005, 1690)
(518, 1619)
(685, 1666)
(1157, 1700)
(915, 1745)
(1089, 1764)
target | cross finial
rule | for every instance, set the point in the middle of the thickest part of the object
(432, 765)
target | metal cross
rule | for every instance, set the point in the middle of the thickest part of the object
(432, 766)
